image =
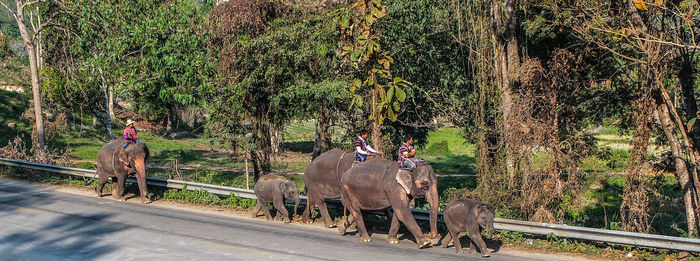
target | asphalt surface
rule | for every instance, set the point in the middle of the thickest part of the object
(39, 222)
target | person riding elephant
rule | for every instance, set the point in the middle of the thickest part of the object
(362, 149)
(113, 160)
(374, 186)
(130, 135)
(407, 161)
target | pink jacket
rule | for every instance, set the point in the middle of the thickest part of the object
(130, 134)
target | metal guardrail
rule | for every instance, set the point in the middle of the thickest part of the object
(583, 233)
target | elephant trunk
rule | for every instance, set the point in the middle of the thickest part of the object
(140, 167)
(433, 200)
(491, 229)
(296, 205)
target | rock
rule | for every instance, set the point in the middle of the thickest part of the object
(529, 241)
(629, 255)
(11, 125)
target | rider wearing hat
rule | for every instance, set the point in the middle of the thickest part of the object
(130, 135)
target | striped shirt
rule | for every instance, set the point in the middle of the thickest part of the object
(361, 147)
(404, 149)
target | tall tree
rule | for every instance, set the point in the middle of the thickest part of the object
(362, 48)
(29, 37)
(505, 27)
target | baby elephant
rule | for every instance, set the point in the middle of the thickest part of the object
(275, 189)
(468, 215)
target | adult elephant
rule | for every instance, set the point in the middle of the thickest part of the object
(322, 179)
(116, 162)
(374, 186)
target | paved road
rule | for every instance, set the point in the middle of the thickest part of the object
(41, 223)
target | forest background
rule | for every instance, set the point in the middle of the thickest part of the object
(575, 112)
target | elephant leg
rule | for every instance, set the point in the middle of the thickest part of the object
(143, 190)
(266, 210)
(120, 187)
(361, 229)
(281, 209)
(101, 180)
(446, 240)
(476, 239)
(405, 216)
(458, 244)
(306, 216)
(393, 229)
(323, 208)
(257, 209)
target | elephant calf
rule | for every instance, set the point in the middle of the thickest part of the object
(275, 189)
(468, 215)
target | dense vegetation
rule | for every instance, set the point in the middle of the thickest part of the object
(527, 85)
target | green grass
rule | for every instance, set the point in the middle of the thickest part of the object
(12, 105)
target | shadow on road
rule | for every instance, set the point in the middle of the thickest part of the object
(40, 233)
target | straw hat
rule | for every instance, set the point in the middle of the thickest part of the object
(129, 122)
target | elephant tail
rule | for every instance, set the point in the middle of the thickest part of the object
(87, 183)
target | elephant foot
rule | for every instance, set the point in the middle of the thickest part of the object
(472, 251)
(332, 225)
(392, 240)
(485, 255)
(423, 243)
(147, 201)
(459, 251)
(342, 228)
(444, 245)
(433, 236)
(121, 200)
(365, 239)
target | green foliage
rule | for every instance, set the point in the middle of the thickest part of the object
(362, 47)
(162, 64)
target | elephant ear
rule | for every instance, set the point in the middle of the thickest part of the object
(123, 158)
(283, 186)
(405, 180)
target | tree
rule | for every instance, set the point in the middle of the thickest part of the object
(646, 39)
(272, 60)
(361, 47)
(29, 37)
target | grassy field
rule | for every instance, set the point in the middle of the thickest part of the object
(12, 105)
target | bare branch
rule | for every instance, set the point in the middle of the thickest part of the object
(29, 3)
(9, 10)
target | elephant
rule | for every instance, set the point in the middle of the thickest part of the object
(374, 186)
(117, 162)
(468, 215)
(275, 189)
(322, 178)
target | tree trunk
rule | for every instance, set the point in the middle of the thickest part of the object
(110, 102)
(256, 165)
(108, 106)
(322, 142)
(376, 127)
(506, 48)
(247, 179)
(681, 168)
(261, 134)
(29, 45)
(686, 80)
(275, 139)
